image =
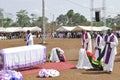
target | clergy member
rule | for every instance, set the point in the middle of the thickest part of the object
(86, 41)
(110, 42)
(29, 38)
(98, 47)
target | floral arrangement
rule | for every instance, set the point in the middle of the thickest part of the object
(45, 73)
(10, 75)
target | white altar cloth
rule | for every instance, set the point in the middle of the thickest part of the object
(23, 56)
(83, 61)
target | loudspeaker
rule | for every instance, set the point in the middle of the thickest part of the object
(97, 16)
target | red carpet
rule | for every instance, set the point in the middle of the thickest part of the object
(57, 66)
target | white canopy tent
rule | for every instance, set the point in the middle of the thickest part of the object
(104, 28)
(13, 29)
(36, 28)
(91, 28)
(32, 29)
(19, 29)
(2, 29)
(79, 28)
(65, 28)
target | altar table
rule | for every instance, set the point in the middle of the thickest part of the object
(23, 56)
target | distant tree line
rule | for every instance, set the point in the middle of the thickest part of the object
(23, 19)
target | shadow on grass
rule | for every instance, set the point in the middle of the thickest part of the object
(28, 68)
(94, 72)
(117, 60)
(73, 68)
(43, 43)
(73, 60)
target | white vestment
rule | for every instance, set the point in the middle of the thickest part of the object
(83, 62)
(53, 55)
(109, 66)
(98, 44)
(86, 41)
(29, 39)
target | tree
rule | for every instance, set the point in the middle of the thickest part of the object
(33, 18)
(71, 19)
(61, 20)
(7, 22)
(38, 22)
(23, 19)
(70, 14)
(1, 17)
(117, 20)
(83, 19)
(15, 24)
(76, 19)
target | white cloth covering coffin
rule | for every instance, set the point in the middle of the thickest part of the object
(23, 56)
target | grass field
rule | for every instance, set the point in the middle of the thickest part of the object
(71, 48)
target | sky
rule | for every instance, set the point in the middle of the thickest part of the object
(53, 8)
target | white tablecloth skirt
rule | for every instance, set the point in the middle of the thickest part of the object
(23, 56)
(83, 62)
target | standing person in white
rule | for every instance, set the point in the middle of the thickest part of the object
(86, 41)
(98, 47)
(29, 38)
(110, 42)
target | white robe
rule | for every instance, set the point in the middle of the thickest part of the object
(88, 40)
(113, 45)
(53, 55)
(29, 39)
(98, 45)
(83, 62)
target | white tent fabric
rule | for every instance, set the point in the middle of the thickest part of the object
(79, 28)
(2, 29)
(91, 28)
(104, 28)
(13, 29)
(36, 28)
(65, 28)
(19, 29)
(32, 29)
